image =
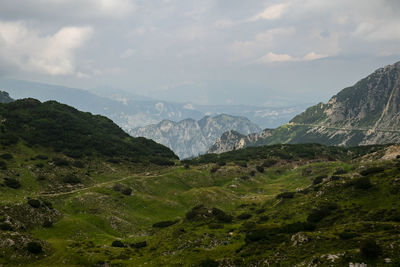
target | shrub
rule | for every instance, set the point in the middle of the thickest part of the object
(372, 170)
(34, 247)
(244, 178)
(340, 172)
(324, 210)
(242, 164)
(215, 226)
(39, 165)
(221, 216)
(47, 223)
(117, 187)
(162, 162)
(214, 169)
(114, 161)
(78, 164)
(41, 178)
(244, 216)
(260, 169)
(71, 179)
(186, 166)
(319, 179)
(3, 165)
(12, 183)
(252, 173)
(198, 212)
(209, 263)
(269, 163)
(221, 163)
(336, 177)
(60, 162)
(370, 249)
(6, 226)
(118, 244)
(263, 218)
(126, 191)
(164, 224)
(360, 183)
(48, 204)
(297, 227)
(34, 203)
(42, 157)
(286, 195)
(6, 156)
(398, 157)
(347, 235)
(259, 211)
(138, 244)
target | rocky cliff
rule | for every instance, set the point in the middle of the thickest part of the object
(189, 137)
(366, 113)
(4, 97)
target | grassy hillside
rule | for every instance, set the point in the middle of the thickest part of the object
(287, 205)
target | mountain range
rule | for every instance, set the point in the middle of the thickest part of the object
(188, 138)
(366, 113)
(130, 111)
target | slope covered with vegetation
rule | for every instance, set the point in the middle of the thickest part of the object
(289, 205)
(75, 133)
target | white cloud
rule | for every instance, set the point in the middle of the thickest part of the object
(277, 58)
(271, 12)
(128, 53)
(32, 52)
(223, 24)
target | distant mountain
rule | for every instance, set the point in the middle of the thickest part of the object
(189, 137)
(366, 113)
(75, 133)
(5, 98)
(130, 111)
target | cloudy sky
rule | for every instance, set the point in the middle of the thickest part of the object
(261, 52)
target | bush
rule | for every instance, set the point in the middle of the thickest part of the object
(263, 218)
(372, 170)
(126, 191)
(118, 244)
(3, 165)
(269, 163)
(319, 179)
(113, 160)
(209, 263)
(370, 249)
(244, 216)
(6, 226)
(252, 173)
(71, 179)
(162, 162)
(186, 166)
(324, 210)
(221, 163)
(259, 211)
(12, 183)
(60, 162)
(6, 156)
(340, 172)
(47, 223)
(260, 169)
(34, 247)
(347, 235)
(78, 164)
(42, 157)
(336, 177)
(39, 165)
(244, 178)
(164, 224)
(286, 195)
(242, 164)
(34, 203)
(138, 244)
(48, 204)
(214, 169)
(198, 213)
(297, 227)
(360, 183)
(221, 215)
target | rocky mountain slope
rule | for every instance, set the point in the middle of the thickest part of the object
(366, 113)
(189, 137)
(5, 97)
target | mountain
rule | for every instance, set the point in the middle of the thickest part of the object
(366, 113)
(75, 133)
(188, 138)
(5, 97)
(131, 111)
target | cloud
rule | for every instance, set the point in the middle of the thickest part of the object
(128, 53)
(279, 58)
(271, 12)
(59, 9)
(30, 51)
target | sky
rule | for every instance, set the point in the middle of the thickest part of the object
(257, 52)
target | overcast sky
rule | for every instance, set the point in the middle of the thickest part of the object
(260, 52)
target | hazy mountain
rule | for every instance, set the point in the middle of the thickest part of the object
(366, 113)
(189, 137)
(5, 98)
(130, 111)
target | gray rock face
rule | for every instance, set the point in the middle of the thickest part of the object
(5, 98)
(189, 137)
(363, 114)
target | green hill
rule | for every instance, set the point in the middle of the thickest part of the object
(75, 133)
